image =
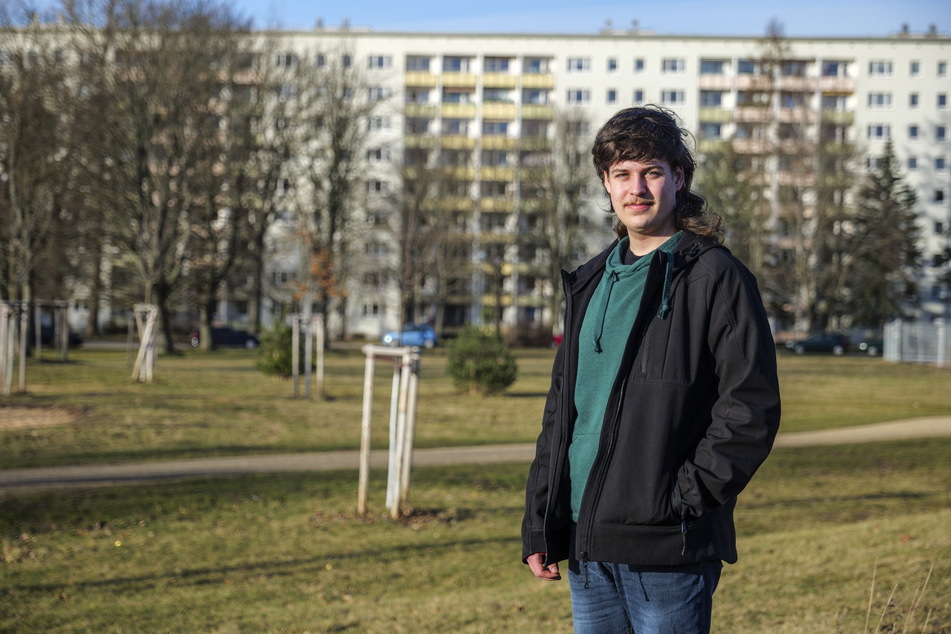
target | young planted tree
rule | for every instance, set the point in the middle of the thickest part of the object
(332, 100)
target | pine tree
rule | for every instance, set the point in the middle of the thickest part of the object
(883, 249)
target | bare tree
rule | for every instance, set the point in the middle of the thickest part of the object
(34, 146)
(557, 181)
(332, 100)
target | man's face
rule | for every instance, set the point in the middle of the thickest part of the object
(643, 195)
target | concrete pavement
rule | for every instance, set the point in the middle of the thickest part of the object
(24, 480)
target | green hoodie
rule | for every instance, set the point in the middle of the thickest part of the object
(604, 333)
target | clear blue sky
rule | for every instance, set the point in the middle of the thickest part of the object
(800, 18)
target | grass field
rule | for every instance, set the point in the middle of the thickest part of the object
(854, 538)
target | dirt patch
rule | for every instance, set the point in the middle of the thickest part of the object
(15, 418)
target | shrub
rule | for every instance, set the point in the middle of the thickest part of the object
(276, 350)
(480, 362)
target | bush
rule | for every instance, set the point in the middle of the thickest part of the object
(480, 362)
(276, 350)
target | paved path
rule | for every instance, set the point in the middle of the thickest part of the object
(21, 480)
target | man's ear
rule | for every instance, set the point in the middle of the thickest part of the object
(679, 178)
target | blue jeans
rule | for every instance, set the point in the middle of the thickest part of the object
(642, 599)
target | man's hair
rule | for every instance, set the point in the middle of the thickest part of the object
(652, 133)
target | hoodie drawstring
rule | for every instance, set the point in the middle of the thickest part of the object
(665, 295)
(602, 311)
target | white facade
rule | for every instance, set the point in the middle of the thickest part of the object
(495, 88)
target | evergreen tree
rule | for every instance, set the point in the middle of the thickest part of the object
(883, 249)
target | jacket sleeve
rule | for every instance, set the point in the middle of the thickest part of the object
(745, 414)
(539, 475)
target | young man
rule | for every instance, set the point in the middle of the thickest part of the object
(664, 399)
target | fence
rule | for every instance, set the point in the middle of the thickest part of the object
(917, 342)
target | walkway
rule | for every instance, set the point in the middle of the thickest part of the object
(23, 480)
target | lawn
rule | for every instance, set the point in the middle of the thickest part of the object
(832, 539)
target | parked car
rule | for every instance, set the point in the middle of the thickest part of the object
(48, 336)
(832, 342)
(226, 337)
(871, 347)
(419, 335)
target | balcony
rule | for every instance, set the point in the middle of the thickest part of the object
(840, 117)
(499, 80)
(796, 84)
(715, 115)
(499, 143)
(497, 173)
(537, 111)
(840, 85)
(497, 205)
(716, 82)
(419, 110)
(459, 110)
(458, 80)
(424, 141)
(538, 81)
(751, 146)
(757, 114)
(534, 143)
(420, 79)
(505, 111)
(457, 142)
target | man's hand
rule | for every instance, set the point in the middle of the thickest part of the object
(548, 573)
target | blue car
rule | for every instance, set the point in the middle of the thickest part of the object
(413, 335)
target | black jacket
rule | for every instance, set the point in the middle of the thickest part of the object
(692, 415)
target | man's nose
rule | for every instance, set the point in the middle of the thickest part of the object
(639, 185)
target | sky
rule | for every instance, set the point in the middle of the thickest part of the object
(799, 18)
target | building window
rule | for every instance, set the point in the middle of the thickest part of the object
(638, 64)
(535, 97)
(912, 132)
(347, 61)
(712, 66)
(673, 65)
(495, 128)
(612, 64)
(672, 97)
(612, 96)
(834, 102)
(638, 96)
(417, 63)
(711, 130)
(940, 164)
(579, 64)
(746, 67)
(834, 69)
(938, 228)
(286, 60)
(456, 95)
(942, 100)
(879, 100)
(455, 65)
(379, 93)
(497, 95)
(915, 68)
(379, 62)
(535, 66)
(912, 163)
(378, 155)
(711, 98)
(939, 195)
(579, 97)
(940, 133)
(913, 100)
(496, 64)
(417, 95)
(942, 69)
(880, 68)
(879, 132)
(378, 123)
(378, 187)
(320, 60)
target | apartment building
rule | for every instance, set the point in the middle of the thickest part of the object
(480, 101)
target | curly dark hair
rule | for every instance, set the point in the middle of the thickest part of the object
(653, 133)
